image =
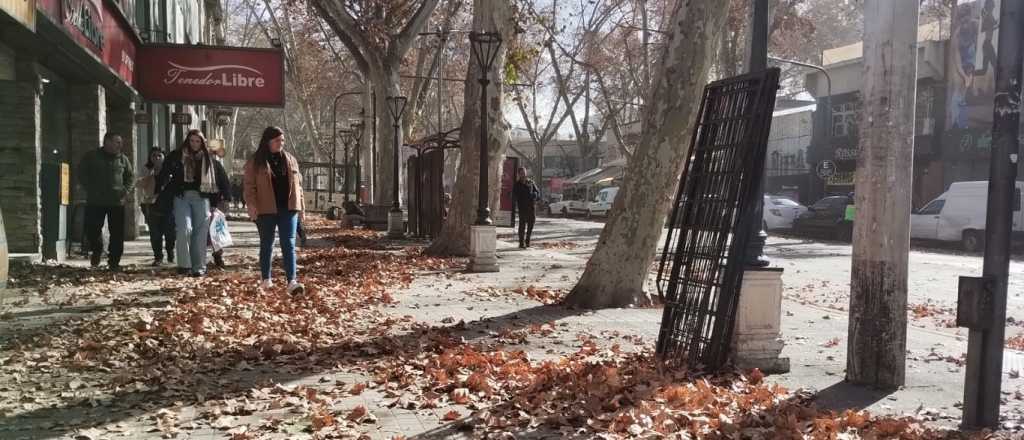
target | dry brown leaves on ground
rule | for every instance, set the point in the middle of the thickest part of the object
(542, 295)
(611, 394)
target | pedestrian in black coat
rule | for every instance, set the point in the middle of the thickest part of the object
(525, 194)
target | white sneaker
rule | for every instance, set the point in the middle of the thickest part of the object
(266, 284)
(295, 288)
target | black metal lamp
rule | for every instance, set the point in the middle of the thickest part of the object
(485, 47)
(357, 128)
(346, 140)
(396, 106)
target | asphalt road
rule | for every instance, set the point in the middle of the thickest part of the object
(818, 272)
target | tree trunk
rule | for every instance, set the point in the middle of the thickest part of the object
(385, 86)
(488, 15)
(615, 274)
(876, 354)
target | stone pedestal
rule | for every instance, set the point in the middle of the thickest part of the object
(483, 243)
(757, 340)
(396, 224)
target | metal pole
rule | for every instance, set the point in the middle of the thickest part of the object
(395, 206)
(758, 62)
(419, 193)
(483, 213)
(359, 153)
(347, 169)
(373, 147)
(985, 347)
(334, 145)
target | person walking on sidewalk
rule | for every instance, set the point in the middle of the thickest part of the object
(198, 183)
(158, 214)
(274, 199)
(525, 194)
(218, 156)
(108, 179)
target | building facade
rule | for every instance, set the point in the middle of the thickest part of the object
(835, 142)
(786, 170)
(67, 70)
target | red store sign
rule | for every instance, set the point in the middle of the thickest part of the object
(99, 27)
(211, 75)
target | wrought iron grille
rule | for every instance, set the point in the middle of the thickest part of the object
(701, 266)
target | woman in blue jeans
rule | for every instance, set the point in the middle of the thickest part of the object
(197, 183)
(273, 197)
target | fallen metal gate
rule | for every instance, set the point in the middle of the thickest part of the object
(701, 266)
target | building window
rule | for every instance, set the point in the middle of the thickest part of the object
(844, 119)
(924, 122)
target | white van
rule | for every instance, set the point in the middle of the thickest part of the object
(959, 215)
(602, 202)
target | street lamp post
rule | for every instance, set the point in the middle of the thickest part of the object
(346, 140)
(357, 135)
(483, 241)
(396, 106)
(758, 62)
(334, 138)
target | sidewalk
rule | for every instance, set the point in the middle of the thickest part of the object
(493, 307)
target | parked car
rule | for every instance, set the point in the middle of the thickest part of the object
(602, 202)
(959, 215)
(780, 212)
(828, 217)
(560, 207)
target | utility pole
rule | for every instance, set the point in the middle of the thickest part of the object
(876, 354)
(983, 381)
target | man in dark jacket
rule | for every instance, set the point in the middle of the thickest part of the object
(108, 179)
(525, 194)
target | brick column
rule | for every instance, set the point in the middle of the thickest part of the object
(88, 114)
(121, 120)
(20, 160)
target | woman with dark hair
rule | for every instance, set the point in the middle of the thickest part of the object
(156, 209)
(198, 183)
(274, 200)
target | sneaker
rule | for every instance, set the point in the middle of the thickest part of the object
(183, 270)
(157, 262)
(114, 268)
(266, 284)
(198, 273)
(296, 288)
(94, 260)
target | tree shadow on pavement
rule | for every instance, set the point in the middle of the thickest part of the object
(843, 395)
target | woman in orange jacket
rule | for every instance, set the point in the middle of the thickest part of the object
(273, 197)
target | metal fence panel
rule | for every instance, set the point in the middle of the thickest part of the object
(701, 267)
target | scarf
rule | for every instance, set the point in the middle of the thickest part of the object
(191, 161)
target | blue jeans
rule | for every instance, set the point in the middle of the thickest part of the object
(191, 212)
(286, 224)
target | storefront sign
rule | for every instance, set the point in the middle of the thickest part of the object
(211, 75)
(85, 16)
(181, 118)
(100, 28)
(65, 184)
(23, 11)
(841, 179)
(826, 169)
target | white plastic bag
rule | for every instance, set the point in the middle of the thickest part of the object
(220, 236)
